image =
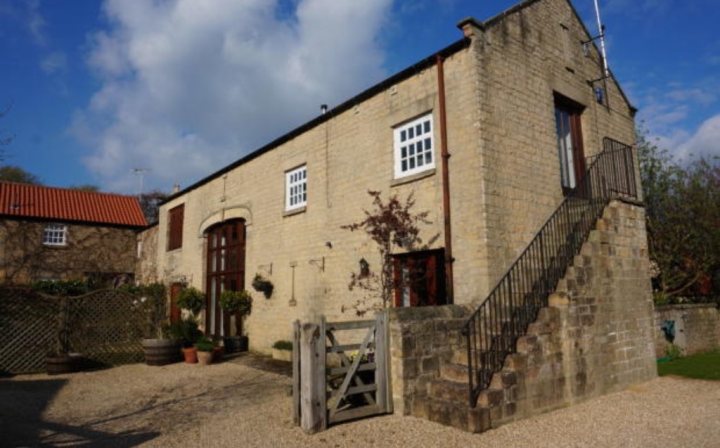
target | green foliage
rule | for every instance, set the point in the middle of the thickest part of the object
(705, 366)
(261, 284)
(205, 345)
(152, 299)
(12, 173)
(186, 331)
(61, 287)
(283, 345)
(236, 302)
(191, 299)
(683, 216)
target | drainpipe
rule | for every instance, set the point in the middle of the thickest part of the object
(447, 230)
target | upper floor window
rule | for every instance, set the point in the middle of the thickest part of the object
(570, 143)
(413, 146)
(296, 188)
(176, 216)
(55, 235)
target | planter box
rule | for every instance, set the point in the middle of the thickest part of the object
(282, 355)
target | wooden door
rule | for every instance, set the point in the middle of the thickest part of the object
(570, 144)
(175, 314)
(419, 278)
(225, 271)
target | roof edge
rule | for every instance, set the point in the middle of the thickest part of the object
(429, 61)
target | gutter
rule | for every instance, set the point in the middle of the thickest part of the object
(445, 156)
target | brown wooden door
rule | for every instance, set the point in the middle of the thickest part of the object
(175, 314)
(225, 271)
(570, 144)
(419, 278)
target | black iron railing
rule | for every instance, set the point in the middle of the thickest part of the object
(494, 328)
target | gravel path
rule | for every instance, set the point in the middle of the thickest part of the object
(245, 402)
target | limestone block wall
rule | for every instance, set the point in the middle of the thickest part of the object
(421, 339)
(24, 258)
(697, 328)
(146, 262)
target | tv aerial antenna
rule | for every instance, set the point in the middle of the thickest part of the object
(600, 37)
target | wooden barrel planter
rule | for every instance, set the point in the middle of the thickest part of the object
(159, 352)
(62, 363)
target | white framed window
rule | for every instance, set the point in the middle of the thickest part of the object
(296, 188)
(414, 146)
(55, 235)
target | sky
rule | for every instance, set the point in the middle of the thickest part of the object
(93, 90)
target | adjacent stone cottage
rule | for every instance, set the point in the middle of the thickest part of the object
(490, 135)
(49, 233)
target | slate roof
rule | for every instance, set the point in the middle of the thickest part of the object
(67, 205)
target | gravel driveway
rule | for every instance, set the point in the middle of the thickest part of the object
(245, 402)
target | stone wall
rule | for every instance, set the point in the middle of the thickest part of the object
(595, 337)
(146, 264)
(421, 340)
(89, 249)
(697, 328)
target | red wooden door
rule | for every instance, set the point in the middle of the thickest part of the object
(175, 314)
(419, 279)
(225, 271)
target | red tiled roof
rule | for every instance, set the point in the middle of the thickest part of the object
(62, 204)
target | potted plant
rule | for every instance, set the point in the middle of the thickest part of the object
(261, 284)
(282, 351)
(188, 333)
(159, 348)
(192, 300)
(239, 304)
(205, 348)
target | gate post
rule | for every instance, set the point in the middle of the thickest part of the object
(313, 412)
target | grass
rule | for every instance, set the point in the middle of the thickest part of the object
(705, 366)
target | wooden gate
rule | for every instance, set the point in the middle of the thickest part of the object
(340, 371)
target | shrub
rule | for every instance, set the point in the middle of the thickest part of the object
(236, 302)
(283, 345)
(61, 287)
(205, 345)
(191, 299)
(186, 331)
(673, 352)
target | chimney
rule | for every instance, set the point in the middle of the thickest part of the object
(176, 188)
(323, 108)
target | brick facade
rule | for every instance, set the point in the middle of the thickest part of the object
(504, 171)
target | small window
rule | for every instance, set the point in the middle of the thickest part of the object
(296, 188)
(175, 227)
(414, 147)
(55, 235)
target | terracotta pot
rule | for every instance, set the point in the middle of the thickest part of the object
(204, 358)
(190, 354)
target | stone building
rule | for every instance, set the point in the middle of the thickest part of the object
(489, 135)
(49, 233)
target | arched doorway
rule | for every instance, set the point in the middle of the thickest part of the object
(225, 271)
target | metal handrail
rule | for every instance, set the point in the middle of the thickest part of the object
(513, 304)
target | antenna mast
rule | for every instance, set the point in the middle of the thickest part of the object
(601, 30)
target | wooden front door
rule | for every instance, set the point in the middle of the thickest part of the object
(419, 278)
(225, 271)
(175, 314)
(570, 144)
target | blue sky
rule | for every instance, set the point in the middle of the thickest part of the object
(181, 88)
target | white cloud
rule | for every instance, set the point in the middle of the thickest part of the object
(705, 142)
(188, 86)
(55, 62)
(36, 22)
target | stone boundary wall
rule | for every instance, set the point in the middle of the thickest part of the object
(697, 328)
(421, 339)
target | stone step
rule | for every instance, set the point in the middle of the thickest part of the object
(456, 414)
(442, 389)
(454, 372)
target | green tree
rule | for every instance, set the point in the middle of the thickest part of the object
(683, 219)
(13, 173)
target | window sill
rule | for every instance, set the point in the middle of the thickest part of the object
(295, 211)
(412, 177)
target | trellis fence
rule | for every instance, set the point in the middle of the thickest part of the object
(106, 327)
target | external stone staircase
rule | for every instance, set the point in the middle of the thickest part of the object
(590, 339)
